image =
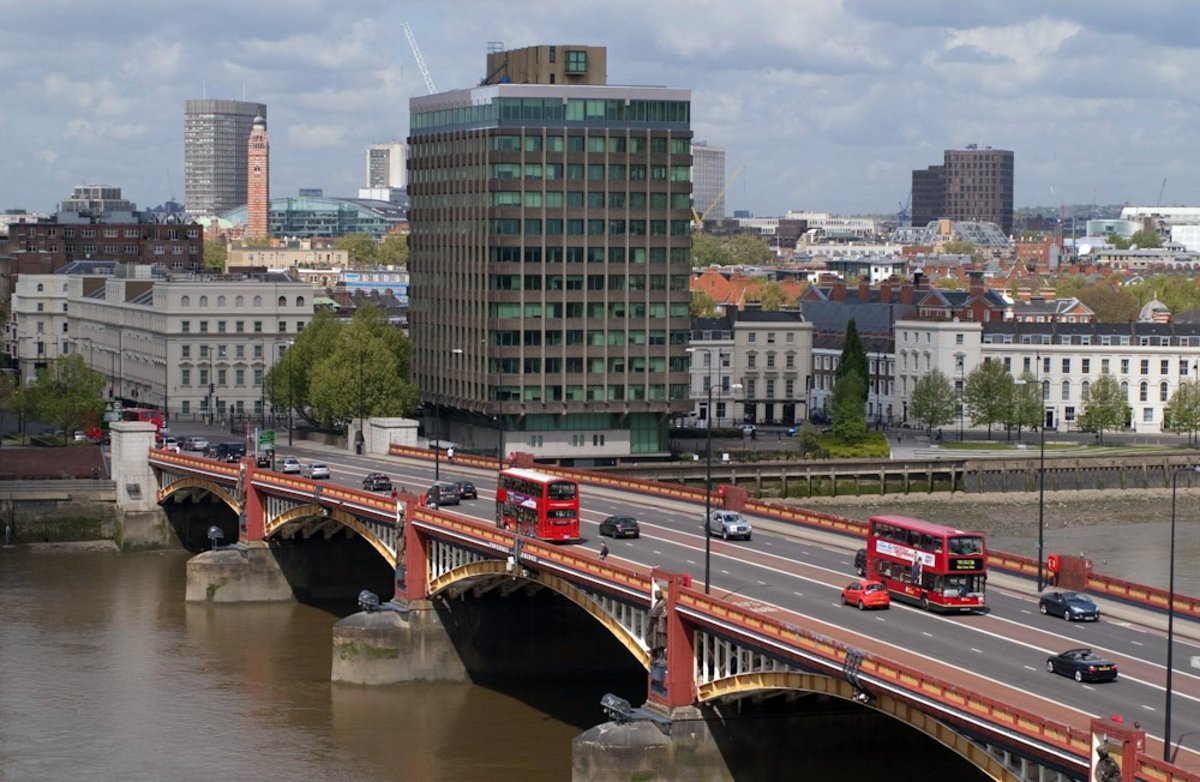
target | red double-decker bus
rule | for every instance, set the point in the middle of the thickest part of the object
(541, 506)
(936, 567)
(148, 414)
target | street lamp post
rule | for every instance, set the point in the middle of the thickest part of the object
(1171, 614)
(1041, 544)
(361, 423)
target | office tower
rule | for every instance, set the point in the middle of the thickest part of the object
(550, 260)
(387, 165)
(975, 184)
(258, 184)
(216, 135)
(708, 180)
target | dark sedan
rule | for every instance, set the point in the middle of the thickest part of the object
(620, 527)
(466, 490)
(1082, 665)
(377, 481)
(1071, 606)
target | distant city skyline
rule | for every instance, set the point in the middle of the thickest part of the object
(829, 107)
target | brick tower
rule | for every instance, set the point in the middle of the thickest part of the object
(258, 187)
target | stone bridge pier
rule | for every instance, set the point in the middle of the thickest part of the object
(141, 522)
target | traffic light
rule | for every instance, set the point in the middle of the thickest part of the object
(212, 388)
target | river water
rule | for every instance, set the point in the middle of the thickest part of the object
(107, 674)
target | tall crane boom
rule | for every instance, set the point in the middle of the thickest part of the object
(412, 42)
(698, 218)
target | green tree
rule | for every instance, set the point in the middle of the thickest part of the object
(846, 408)
(1106, 407)
(771, 296)
(707, 251)
(987, 395)
(749, 249)
(853, 359)
(949, 283)
(1110, 303)
(1182, 413)
(933, 401)
(361, 247)
(960, 247)
(258, 242)
(337, 371)
(215, 254)
(1119, 242)
(1024, 404)
(69, 394)
(393, 250)
(702, 305)
(1145, 240)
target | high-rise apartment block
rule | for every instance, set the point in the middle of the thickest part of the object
(258, 181)
(708, 180)
(387, 165)
(971, 184)
(550, 256)
(216, 136)
(97, 201)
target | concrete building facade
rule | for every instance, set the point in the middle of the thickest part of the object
(194, 346)
(708, 180)
(215, 154)
(973, 184)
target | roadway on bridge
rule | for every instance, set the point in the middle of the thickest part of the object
(786, 569)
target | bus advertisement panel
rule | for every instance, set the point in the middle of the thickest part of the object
(936, 567)
(538, 505)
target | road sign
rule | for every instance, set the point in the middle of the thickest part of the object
(266, 437)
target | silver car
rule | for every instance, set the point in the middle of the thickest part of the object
(290, 464)
(315, 470)
(728, 524)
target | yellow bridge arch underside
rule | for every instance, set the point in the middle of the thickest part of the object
(216, 489)
(766, 681)
(495, 568)
(313, 510)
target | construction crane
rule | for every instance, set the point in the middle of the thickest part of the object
(412, 42)
(697, 218)
(1160, 193)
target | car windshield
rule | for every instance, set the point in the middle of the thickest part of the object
(876, 587)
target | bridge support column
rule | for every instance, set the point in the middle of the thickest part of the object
(141, 523)
(405, 641)
(640, 750)
(246, 573)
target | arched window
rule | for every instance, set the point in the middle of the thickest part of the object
(1045, 390)
(299, 301)
(1085, 389)
(203, 301)
(258, 301)
(1066, 390)
(1164, 392)
(283, 301)
(1125, 390)
(40, 287)
(220, 301)
(239, 302)
(1144, 391)
(185, 301)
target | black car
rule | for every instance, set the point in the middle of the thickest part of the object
(441, 494)
(1071, 606)
(1083, 665)
(620, 527)
(227, 452)
(860, 561)
(466, 490)
(377, 481)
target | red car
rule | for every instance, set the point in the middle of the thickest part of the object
(866, 594)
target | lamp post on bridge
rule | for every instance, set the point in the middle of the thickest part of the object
(1171, 614)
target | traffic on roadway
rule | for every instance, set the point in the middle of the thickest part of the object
(1006, 650)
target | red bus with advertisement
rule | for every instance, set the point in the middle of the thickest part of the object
(936, 567)
(148, 414)
(538, 505)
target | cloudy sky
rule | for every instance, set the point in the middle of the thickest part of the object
(828, 105)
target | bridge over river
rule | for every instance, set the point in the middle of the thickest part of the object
(703, 654)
